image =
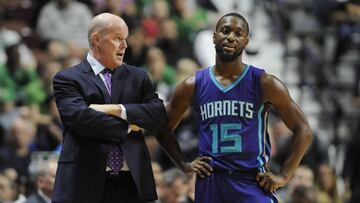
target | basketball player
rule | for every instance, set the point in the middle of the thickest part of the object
(232, 100)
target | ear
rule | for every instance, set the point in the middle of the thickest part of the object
(247, 41)
(214, 35)
(95, 39)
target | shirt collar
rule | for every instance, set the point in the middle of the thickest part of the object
(46, 198)
(96, 66)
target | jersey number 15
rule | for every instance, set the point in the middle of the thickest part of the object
(225, 136)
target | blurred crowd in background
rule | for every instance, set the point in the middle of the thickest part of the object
(311, 45)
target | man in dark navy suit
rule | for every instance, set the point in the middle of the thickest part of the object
(103, 103)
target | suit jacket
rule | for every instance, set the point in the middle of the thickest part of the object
(80, 176)
(35, 198)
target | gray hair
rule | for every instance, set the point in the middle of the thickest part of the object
(40, 164)
(96, 25)
(172, 174)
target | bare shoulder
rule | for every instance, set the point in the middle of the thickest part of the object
(188, 84)
(184, 91)
(273, 87)
(271, 81)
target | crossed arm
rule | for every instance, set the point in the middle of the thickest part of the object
(148, 113)
(81, 120)
(103, 121)
(113, 110)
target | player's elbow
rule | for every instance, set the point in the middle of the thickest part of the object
(303, 134)
(307, 134)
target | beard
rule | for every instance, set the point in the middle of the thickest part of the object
(227, 57)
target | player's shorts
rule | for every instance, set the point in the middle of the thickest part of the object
(231, 187)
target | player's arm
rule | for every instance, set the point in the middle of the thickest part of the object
(275, 93)
(175, 109)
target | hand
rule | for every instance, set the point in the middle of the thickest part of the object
(110, 109)
(135, 128)
(269, 181)
(200, 166)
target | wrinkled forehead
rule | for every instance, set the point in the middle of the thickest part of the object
(118, 27)
(122, 24)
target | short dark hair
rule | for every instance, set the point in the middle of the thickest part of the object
(237, 15)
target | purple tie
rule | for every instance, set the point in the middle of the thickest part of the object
(108, 79)
(116, 155)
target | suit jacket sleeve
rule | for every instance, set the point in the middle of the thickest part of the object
(81, 120)
(150, 113)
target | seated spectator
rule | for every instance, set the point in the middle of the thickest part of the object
(161, 74)
(49, 129)
(136, 52)
(156, 12)
(7, 189)
(169, 42)
(177, 188)
(186, 67)
(42, 173)
(47, 72)
(65, 20)
(303, 194)
(19, 81)
(29, 88)
(327, 191)
(346, 16)
(17, 153)
(188, 20)
(9, 192)
(303, 177)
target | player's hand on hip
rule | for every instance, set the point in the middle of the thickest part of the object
(269, 181)
(201, 167)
